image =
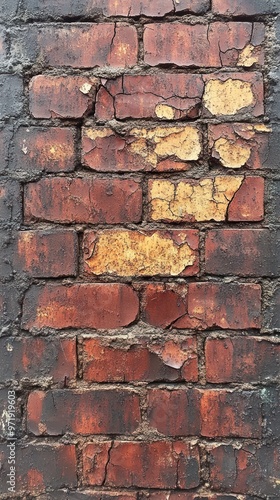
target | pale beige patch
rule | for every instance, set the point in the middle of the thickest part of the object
(232, 155)
(248, 56)
(165, 112)
(227, 98)
(132, 253)
(205, 200)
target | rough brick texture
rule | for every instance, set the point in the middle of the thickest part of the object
(139, 249)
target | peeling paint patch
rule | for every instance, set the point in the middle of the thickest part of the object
(135, 253)
(207, 199)
(227, 98)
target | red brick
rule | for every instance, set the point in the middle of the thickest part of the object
(33, 358)
(45, 149)
(233, 94)
(164, 304)
(157, 464)
(244, 7)
(70, 200)
(111, 8)
(105, 361)
(248, 202)
(79, 306)
(245, 252)
(89, 412)
(236, 145)
(61, 96)
(200, 45)
(250, 470)
(148, 149)
(40, 467)
(242, 359)
(225, 305)
(47, 253)
(89, 45)
(205, 413)
(177, 96)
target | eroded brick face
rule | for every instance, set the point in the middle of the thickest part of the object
(139, 249)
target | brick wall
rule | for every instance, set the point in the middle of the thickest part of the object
(139, 244)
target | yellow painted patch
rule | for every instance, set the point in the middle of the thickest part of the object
(227, 98)
(232, 155)
(205, 200)
(95, 133)
(248, 56)
(165, 112)
(132, 253)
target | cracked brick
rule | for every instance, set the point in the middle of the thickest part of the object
(61, 96)
(106, 361)
(237, 145)
(67, 200)
(148, 149)
(157, 464)
(213, 45)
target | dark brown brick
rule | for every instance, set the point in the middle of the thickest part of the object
(245, 252)
(33, 358)
(47, 253)
(42, 149)
(40, 466)
(242, 359)
(249, 470)
(177, 96)
(89, 412)
(225, 305)
(244, 7)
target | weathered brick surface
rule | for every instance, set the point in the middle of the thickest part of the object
(244, 8)
(90, 412)
(61, 96)
(89, 45)
(67, 200)
(206, 199)
(109, 8)
(106, 151)
(149, 253)
(239, 145)
(200, 413)
(248, 470)
(41, 466)
(214, 45)
(58, 306)
(33, 358)
(45, 254)
(42, 149)
(160, 464)
(242, 359)
(104, 361)
(225, 305)
(229, 251)
(139, 268)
